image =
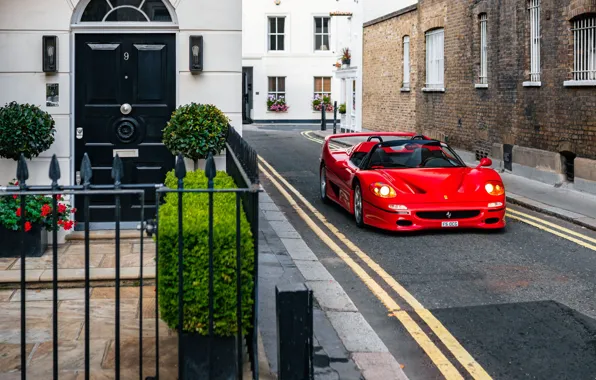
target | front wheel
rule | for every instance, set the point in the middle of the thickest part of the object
(358, 210)
(323, 185)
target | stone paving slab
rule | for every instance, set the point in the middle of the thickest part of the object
(71, 262)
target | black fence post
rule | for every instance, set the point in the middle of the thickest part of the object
(323, 121)
(294, 305)
(335, 117)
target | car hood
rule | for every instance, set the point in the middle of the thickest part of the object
(434, 185)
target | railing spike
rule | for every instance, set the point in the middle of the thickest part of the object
(210, 170)
(22, 170)
(86, 170)
(54, 170)
(117, 170)
(180, 169)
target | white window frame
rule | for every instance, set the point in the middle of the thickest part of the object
(322, 91)
(322, 33)
(277, 93)
(534, 8)
(276, 33)
(406, 58)
(584, 52)
(483, 74)
(435, 61)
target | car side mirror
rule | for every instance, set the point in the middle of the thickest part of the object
(485, 162)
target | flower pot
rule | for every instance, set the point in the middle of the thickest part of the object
(35, 244)
(196, 357)
(346, 62)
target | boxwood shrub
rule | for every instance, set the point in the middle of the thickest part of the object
(196, 257)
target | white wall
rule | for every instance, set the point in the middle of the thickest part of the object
(377, 8)
(24, 22)
(299, 62)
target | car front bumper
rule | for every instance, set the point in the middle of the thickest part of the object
(432, 216)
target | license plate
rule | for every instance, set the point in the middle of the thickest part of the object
(449, 224)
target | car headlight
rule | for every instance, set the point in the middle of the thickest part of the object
(383, 190)
(494, 188)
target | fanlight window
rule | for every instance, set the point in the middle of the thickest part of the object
(126, 11)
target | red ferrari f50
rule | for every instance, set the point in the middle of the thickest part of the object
(409, 183)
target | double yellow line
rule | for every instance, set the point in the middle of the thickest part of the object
(444, 365)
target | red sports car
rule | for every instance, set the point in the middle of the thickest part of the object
(410, 182)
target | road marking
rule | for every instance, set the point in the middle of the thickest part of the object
(435, 325)
(525, 218)
(434, 353)
(546, 223)
(306, 135)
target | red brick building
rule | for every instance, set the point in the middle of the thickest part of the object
(488, 72)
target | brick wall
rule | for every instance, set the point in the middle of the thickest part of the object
(551, 117)
(385, 106)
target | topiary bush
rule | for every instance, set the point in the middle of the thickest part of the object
(25, 128)
(195, 130)
(196, 258)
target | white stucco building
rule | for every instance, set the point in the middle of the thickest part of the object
(290, 49)
(111, 53)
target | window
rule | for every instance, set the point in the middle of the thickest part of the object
(534, 40)
(353, 97)
(406, 80)
(126, 11)
(277, 87)
(322, 86)
(483, 50)
(584, 49)
(276, 33)
(435, 61)
(322, 33)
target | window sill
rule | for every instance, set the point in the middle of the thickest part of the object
(405, 89)
(579, 83)
(532, 84)
(481, 85)
(426, 89)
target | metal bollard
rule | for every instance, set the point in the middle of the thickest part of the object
(323, 121)
(335, 117)
(294, 304)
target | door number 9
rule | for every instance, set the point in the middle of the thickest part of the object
(126, 56)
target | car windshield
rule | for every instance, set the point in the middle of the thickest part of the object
(418, 154)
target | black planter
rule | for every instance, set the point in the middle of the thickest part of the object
(196, 357)
(35, 244)
(346, 61)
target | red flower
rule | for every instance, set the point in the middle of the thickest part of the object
(15, 196)
(61, 208)
(45, 210)
(68, 225)
(59, 197)
(73, 210)
(18, 212)
(27, 226)
(16, 183)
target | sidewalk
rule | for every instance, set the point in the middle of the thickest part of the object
(346, 346)
(570, 205)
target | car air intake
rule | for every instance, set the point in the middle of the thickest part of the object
(492, 220)
(404, 223)
(462, 214)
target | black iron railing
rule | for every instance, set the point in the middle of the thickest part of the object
(241, 165)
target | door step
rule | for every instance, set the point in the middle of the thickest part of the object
(79, 236)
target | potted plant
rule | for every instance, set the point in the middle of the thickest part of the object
(195, 338)
(346, 57)
(277, 104)
(28, 130)
(342, 115)
(194, 130)
(322, 101)
(38, 218)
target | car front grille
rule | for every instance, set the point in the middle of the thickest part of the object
(461, 214)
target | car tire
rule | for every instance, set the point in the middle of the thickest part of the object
(358, 209)
(323, 184)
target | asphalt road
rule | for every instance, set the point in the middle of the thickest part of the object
(520, 302)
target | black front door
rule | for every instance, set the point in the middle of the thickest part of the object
(246, 94)
(125, 92)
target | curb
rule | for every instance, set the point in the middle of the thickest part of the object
(362, 344)
(519, 200)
